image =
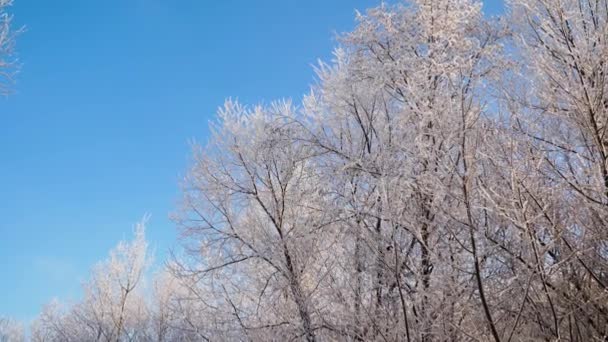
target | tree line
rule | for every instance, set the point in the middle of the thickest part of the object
(446, 179)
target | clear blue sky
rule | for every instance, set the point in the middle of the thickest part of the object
(110, 93)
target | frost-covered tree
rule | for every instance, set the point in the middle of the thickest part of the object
(558, 162)
(396, 109)
(113, 307)
(8, 63)
(11, 331)
(254, 217)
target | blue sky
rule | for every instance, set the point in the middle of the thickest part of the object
(110, 93)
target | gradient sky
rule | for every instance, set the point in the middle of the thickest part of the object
(110, 93)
